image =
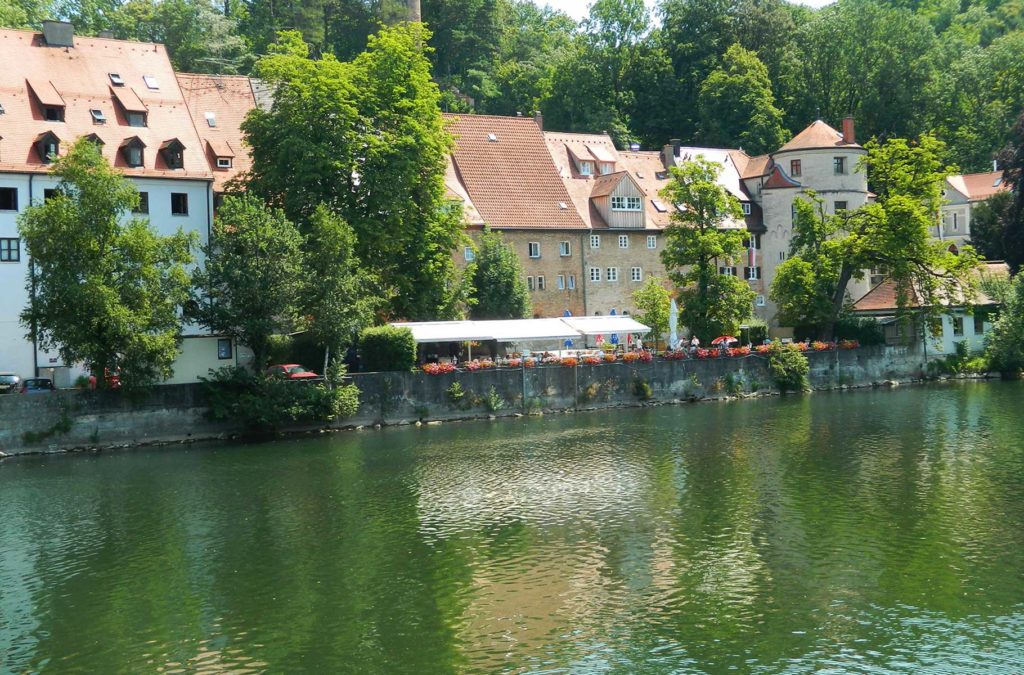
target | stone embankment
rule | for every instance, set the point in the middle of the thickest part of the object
(70, 420)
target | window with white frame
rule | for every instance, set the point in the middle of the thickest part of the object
(572, 282)
(564, 249)
(586, 168)
(652, 241)
(595, 274)
(746, 208)
(958, 326)
(753, 241)
(541, 283)
(534, 247)
(752, 273)
(595, 241)
(529, 283)
(10, 250)
(759, 301)
(607, 168)
(626, 203)
(636, 274)
(560, 282)
(612, 273)
(623, 241)
(469, 253)
(727, 270)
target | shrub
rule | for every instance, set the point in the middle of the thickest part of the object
(492, 401)
(630, 357)
(757, 332)
(386, 348)
(570, 362)
(789, 368)
(677, 355)
(266, 404)
(642, 389)
(848, 344)
(438, 368)
(609, 358)
(456, 394)
(593, 360)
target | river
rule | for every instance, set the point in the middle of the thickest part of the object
(858, 532)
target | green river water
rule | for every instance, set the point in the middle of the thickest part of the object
(860, 532)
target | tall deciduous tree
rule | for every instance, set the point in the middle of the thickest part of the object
(737, 107)
(250, 285)
(1013, 174)
(106, 290)
(713, 304)
(989, 224)
(367, 140)
(338, 297)
(499, 288)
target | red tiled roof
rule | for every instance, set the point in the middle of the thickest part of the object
(884, 296)
(80, 77)
(511, 180)
(644, 167)
(605, 185)
(979, 186)
(229, 99)
(817, 135)
(750, 167)
(779, 179)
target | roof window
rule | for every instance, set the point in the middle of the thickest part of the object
(2, 111)
(174, 154)
(563, 206)
(116, 79)
(492, 138)
(97, 116)
(48, 147)
(211, 119)
(659, 206)
(132, 150)
(151, 81)
(223, 162)
(998, 182)
(53, 113)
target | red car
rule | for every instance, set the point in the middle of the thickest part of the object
(290, 371)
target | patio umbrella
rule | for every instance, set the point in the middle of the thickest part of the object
(673, 319)
(728, 339)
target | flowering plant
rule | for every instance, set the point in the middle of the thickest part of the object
(630, 357)
(609, 358)
(514, 363)
(570, 362)
(551, 360)
(438, 368)
(530, 362)
(706, 353)
(646, 357)
(594, 360)
(739, 351)
(799, 346)
(763, 349)
(677, 355)
(849, 344)
(819, 346)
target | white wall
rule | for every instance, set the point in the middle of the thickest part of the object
(16, 352)
(946, 342)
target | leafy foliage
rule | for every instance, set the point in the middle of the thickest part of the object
(788, 368)
(653, 304)
(106, 290)
(500, 291)
(712, 304)
(1004, 344)
(1013, 174)
(990, 224)
(250, 284)
(387, 348)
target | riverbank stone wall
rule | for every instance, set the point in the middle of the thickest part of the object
(176, 413)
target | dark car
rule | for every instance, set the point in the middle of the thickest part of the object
(37, 385)
(290, 371)
(9, 383)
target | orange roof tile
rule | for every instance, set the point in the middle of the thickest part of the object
(508, 173)
(605, 185)
(80, 77)
(979, 186)
(778, 179)
(228, 99)
(45, 92)
(817, 135)
(750, 167)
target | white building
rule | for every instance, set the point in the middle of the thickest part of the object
(56, 88)
(962, 195)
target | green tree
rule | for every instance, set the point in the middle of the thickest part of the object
(500, 290)
(737, 107)
(1004, 344)
(653, 304)
(712, 304)
(338, 297)
(250, 285)
(989, 223)
(367, 140)
(893, 233)
(1013, 173)
(105, 290)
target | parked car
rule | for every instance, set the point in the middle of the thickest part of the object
(37, 385)
(9, 383)
(290, 371)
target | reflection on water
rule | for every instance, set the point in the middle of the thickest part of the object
(862, 532)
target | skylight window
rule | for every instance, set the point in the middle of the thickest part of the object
(116, 79)
(2, 111)
(659, 205)
(97, 116)
(998, 182)
(211, 119)
(151, 81)
(492, 138)
(563, 205)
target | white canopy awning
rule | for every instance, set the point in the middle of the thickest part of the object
(605, 325)
(522, 330)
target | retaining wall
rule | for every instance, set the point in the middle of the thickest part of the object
(71, 419)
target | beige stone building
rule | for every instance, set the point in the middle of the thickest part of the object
(962, 195)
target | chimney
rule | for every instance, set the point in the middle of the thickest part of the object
(538, 117)
(995, 165)
(58, 34)
(676, 145)
(414, 10)
(849, 135)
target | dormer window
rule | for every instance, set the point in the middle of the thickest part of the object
(136, 119)
(94, 138)
(97, 116)
(626, 203)
(53, 113)
(173, 153)
(50, 102)
(586, 168)
(116, 79)
(223, 162)
(607, 168)
(133, 152)
(746, 208)
(48, 147)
